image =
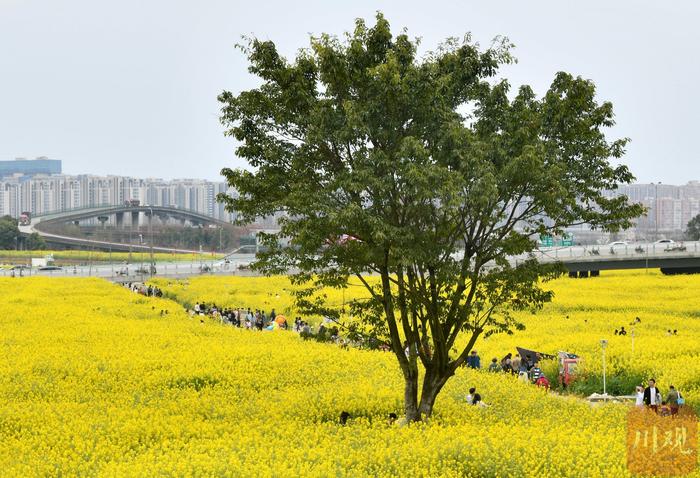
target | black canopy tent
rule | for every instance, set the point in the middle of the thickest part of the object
(532, 356)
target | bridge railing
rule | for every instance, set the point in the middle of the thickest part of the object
(74, 209)
(136, 271)
(106, 207)
(608, 252)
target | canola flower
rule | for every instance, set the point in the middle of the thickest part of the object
(95, 382)
(69, 255)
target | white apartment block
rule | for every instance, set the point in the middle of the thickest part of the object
(41, 194)
(670, 207)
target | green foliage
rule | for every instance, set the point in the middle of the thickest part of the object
(9, 232)
(426, 171)
(693, 229)
(35, 242)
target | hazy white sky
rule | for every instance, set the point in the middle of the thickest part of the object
(129, 87)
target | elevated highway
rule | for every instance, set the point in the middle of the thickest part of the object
(669, 257)
(38, 223)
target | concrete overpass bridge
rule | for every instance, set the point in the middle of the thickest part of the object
(121, 214)
(579, 260)
(671, 258)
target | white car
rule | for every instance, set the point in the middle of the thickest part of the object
(619, 244)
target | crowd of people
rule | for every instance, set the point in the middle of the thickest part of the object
(258, 319)
(652, 397)
(238, 317)
(143, 289)
(526, 368)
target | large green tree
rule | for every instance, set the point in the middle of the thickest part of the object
(692, 231)
(425, 171)
(9, 232)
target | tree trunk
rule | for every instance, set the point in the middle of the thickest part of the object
(411, 397)
(432, 384)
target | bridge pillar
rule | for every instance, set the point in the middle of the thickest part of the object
(103, 220)
(135, 218)
(120, 219)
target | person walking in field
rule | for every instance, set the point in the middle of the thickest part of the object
(543, 382)
(494, 366)
(474, 361)
(535, 373)
(506, 363)
(672, 399)
(652, 396)
(515, 363)
(639, 396)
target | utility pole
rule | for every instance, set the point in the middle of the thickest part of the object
(150, 232)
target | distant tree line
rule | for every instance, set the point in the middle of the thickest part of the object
(10, 237)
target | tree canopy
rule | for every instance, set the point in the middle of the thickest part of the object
(692, 230)
(35, 242)
(427, 172)
(9, 232)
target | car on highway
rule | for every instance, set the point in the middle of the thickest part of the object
(665, 241)
(618, 246)
(50, 268)
(619, 243)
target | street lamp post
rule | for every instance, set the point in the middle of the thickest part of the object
(632, 335)
(150, 232)
(603, 345)
(141, 247)
(656, 210)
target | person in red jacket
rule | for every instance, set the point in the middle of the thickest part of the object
(542, 382)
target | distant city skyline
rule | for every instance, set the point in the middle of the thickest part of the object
(670, 206)
(130, 87)
(221, 179)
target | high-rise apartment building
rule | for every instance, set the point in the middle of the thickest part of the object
(40, 194)
(669, 208)
(30, 167)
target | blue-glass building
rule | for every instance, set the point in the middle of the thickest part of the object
(30, 167)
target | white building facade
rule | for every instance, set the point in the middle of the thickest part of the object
(41, 194)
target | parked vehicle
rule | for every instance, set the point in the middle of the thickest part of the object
(50, 268)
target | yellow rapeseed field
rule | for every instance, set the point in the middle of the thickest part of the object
(94, 380)
(583, 312)
(24, 257)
